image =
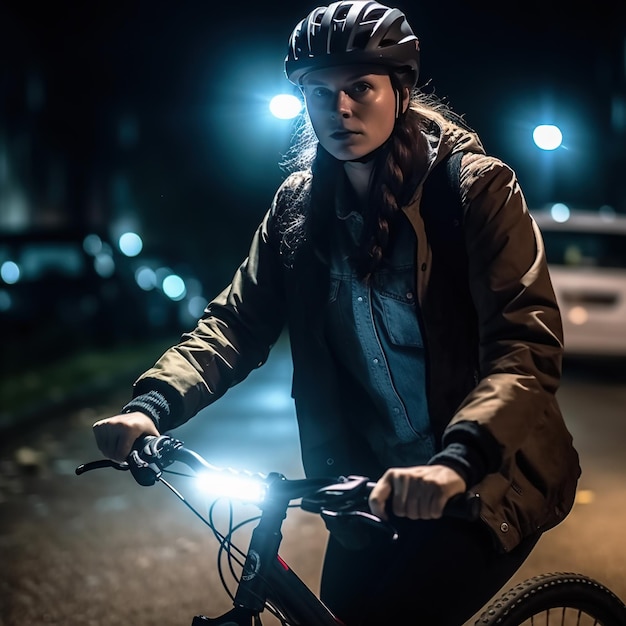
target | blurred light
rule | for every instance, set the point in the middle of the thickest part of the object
(547, 137)
(560, 212)
(10, 272)
(5, 300)
(38, 260)
(107, 249)
(220, 484)
(174, 287)
(578, 315)
(92, 244)
(285, 106)
(15, 208)
(104, 265)
(572, 255)
(607, 212)
(196, 306)
(146, 278)
(275, 399)
(585, 496)
(130, 244)
(161, 274)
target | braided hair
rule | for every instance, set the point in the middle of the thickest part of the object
(398, 167)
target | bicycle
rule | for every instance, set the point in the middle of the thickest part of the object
(264, 581)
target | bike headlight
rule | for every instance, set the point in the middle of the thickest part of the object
(233, 486)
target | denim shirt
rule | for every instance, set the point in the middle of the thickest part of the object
(378, 341)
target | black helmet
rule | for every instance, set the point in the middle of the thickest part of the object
(357, 31)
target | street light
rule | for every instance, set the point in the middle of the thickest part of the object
(285, 106)
(547, 137)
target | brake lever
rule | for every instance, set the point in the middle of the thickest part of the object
(348, 493)
(355, 529)
(102, 463)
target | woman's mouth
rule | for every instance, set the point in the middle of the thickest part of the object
(342, 134)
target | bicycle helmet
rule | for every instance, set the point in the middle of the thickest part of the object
(352, 31)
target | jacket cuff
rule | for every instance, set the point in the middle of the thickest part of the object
(153, 404)
(471, 450)
(463, 460)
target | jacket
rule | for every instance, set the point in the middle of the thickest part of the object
(492, 331)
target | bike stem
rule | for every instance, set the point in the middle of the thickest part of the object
(262, 552)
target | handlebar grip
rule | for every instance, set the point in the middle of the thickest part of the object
(147, 442)
(149, 456)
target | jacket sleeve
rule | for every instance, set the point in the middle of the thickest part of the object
(233, 337)
(520, 331)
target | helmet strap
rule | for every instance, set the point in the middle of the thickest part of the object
(398, 103)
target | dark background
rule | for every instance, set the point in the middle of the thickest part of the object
(155, 113)
(183, 77)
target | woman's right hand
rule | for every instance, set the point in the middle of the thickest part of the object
(116, 435)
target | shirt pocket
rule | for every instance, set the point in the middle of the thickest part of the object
(399, 308)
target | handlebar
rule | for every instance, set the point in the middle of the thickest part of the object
(341, 501)
(152, 455)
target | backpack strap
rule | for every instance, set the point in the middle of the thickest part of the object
(442, 211)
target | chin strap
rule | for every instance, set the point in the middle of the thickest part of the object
(398, 103)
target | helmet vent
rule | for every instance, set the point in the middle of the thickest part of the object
(351, 31)
(360, 40)
(376, 14)
(342, 13)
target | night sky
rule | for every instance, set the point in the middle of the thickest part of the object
(165, 95)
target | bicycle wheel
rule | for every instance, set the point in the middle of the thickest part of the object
(557, 599)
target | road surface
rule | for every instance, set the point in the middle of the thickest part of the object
(98, 550)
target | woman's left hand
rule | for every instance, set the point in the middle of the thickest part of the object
(419, 492)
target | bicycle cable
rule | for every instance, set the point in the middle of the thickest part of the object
(224, 540)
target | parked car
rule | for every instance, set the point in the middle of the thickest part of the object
(586, 253)
(57, 296)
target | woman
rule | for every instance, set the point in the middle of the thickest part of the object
(431, 376)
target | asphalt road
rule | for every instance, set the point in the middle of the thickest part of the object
(97, 550)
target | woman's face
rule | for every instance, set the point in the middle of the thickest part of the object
(352, 108)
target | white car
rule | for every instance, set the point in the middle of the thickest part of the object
(586, 254)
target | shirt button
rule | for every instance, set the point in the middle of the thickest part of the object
(504, 527)
(330, 461)
(374, 360)
(360, 299)
(409, 295)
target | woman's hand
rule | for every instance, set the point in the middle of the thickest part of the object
(116, 435)
(419, 492)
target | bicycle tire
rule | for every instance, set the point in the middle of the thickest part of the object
(558, 599)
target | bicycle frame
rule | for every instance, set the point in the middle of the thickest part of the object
(266, 580)
(266, 577)
(300, 605)
(288, 596)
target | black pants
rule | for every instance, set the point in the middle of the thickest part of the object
(438, 573)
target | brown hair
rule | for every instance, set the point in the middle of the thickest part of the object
(399, 166)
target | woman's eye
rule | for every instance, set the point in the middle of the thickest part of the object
(360, 88)
(320, 92)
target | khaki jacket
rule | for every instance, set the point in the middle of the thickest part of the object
(492, 334)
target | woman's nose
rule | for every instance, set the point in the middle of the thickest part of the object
(342, 105)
